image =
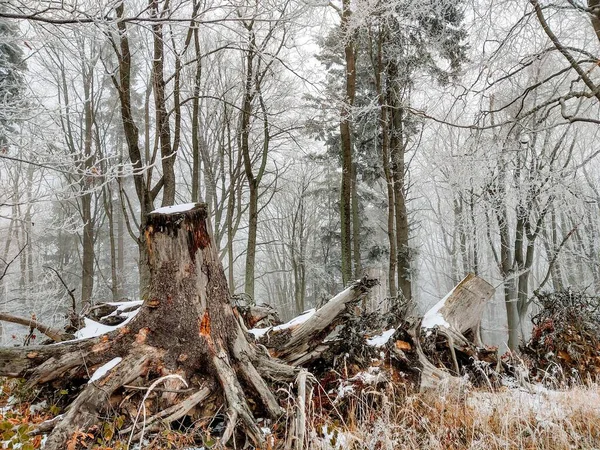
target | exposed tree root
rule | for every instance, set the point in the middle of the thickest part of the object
(84, 410)
(25, 362)
(174, 412)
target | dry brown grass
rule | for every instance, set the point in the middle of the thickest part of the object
(463, 419)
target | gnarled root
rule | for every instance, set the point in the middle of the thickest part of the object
(84, 411)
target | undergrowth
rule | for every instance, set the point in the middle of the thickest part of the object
(368, 416)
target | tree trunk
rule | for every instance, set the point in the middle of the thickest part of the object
(186, 329)
(163, 129)
(397, 148)
(358, 270)
(387, 172)
(346, 138)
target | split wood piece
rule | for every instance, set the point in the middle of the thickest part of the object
(305, 343)
(53, 333)
(459, 313)
(462, 309)
(301, 410)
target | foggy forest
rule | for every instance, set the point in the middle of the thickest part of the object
(299, 224)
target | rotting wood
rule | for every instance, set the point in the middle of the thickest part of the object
(188, 328)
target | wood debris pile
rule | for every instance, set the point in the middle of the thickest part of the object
(564, 348)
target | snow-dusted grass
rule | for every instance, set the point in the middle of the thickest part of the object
(378, 414)
(509, 418)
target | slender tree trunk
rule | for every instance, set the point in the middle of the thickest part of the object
(87, 260)
(163, 129)
(510, 294)
(246, 115)
(144, 194)
(358, 270)
(346, 139)
(385, 154)
(459, 224)
(110, 217)
(251, 242)
(29, 226)
(397, 149)
(473, 226)
(196, 123)
(120, 249)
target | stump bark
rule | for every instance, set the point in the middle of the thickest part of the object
(186, 327)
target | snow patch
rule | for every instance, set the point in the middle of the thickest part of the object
(434, 317)
(93, 328)
(334, 439)
(382, 339)
(174, 209)
(37, 407)
(372, 376)
(260, 332)
(103, 370)
(343, 390)
(297, 320)
(121, 306)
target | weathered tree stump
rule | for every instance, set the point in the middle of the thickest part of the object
(455, 317)
(186, 327)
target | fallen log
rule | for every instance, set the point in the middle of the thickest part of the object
(302, 341)
(53, 333)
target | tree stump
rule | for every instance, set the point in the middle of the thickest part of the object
(456, 315)
(185, 330)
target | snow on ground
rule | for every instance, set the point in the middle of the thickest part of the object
(548, 407)
(174, 209)
(381, 340)
(331, 438)
(260, 332)
(103, 370)
(372, 376)
(434, 317)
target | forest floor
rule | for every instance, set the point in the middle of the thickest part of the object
(365, 412)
